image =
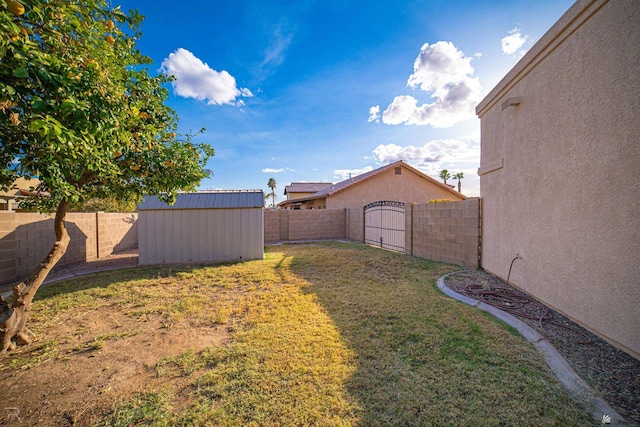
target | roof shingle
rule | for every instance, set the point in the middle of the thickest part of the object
(306, 187)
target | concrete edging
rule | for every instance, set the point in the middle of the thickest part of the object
(577, 388)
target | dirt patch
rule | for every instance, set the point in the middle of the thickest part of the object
(91, 362)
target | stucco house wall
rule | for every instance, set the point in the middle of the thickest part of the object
(407, 187)
(294, 196)
(560, 170)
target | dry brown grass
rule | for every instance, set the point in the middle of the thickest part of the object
(322, 334)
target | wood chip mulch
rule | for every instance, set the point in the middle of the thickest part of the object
(611, 372)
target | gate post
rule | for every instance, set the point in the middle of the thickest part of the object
(364, 224)
(408, 228)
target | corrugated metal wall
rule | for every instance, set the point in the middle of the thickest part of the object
(200, 235)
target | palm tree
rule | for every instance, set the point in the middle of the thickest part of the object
(445, 175)
(272, 185)
(459, 177)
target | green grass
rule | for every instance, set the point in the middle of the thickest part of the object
(328, 334)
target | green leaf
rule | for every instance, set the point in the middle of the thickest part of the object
(39, 105)
(20, 73)
(36, 125)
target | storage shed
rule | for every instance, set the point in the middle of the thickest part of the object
(202, 227)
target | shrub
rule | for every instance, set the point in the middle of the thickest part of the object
(440, 200)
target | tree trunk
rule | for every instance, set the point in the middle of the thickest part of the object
(13, 319)
(459, 186)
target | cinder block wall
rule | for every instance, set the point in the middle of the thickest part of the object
(26, 238)
(7, 246)
(446, 232)
(355, 224)
(116, 232)
(271, 225)
(286, 225)
(317, 224)
(30, 237)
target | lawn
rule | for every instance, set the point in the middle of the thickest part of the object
(318, 334)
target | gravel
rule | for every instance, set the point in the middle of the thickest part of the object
(611, 372)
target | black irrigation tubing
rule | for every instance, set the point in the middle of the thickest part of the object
(508, 300)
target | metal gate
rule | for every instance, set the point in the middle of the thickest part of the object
(384, 225)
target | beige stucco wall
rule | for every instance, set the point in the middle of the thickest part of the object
(560, 172)
(295, 196)
(407, 187)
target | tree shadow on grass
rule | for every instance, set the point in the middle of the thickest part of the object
(422, 358)
(104, 279)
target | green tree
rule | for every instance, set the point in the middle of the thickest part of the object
(272, 185)
(459, 177)
(80, 111)
(106, 204)
(445, 175)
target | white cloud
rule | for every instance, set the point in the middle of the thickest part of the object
(195, 79)
(445, 73)
(278, 170)
(456, 155)
(343, 174)
(281, 39)
(514, 41)
(374, 114)
(453, 154)
(417, 156)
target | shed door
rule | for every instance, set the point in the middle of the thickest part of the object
(384, 225)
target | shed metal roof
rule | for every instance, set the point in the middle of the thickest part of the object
(221, 199)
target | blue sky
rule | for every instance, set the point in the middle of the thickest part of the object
(315, 90)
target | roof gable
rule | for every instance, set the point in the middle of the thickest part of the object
(368, 175)
(20, 184)
(221, 199)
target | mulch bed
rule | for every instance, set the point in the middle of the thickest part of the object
(611, 372)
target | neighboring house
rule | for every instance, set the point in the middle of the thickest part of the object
(560, 170)
(21, 188)
(299, 190)
(397, 181)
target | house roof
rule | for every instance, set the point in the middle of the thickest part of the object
(220, 199)
(342, 185)
(22, 187)
(306, 187)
